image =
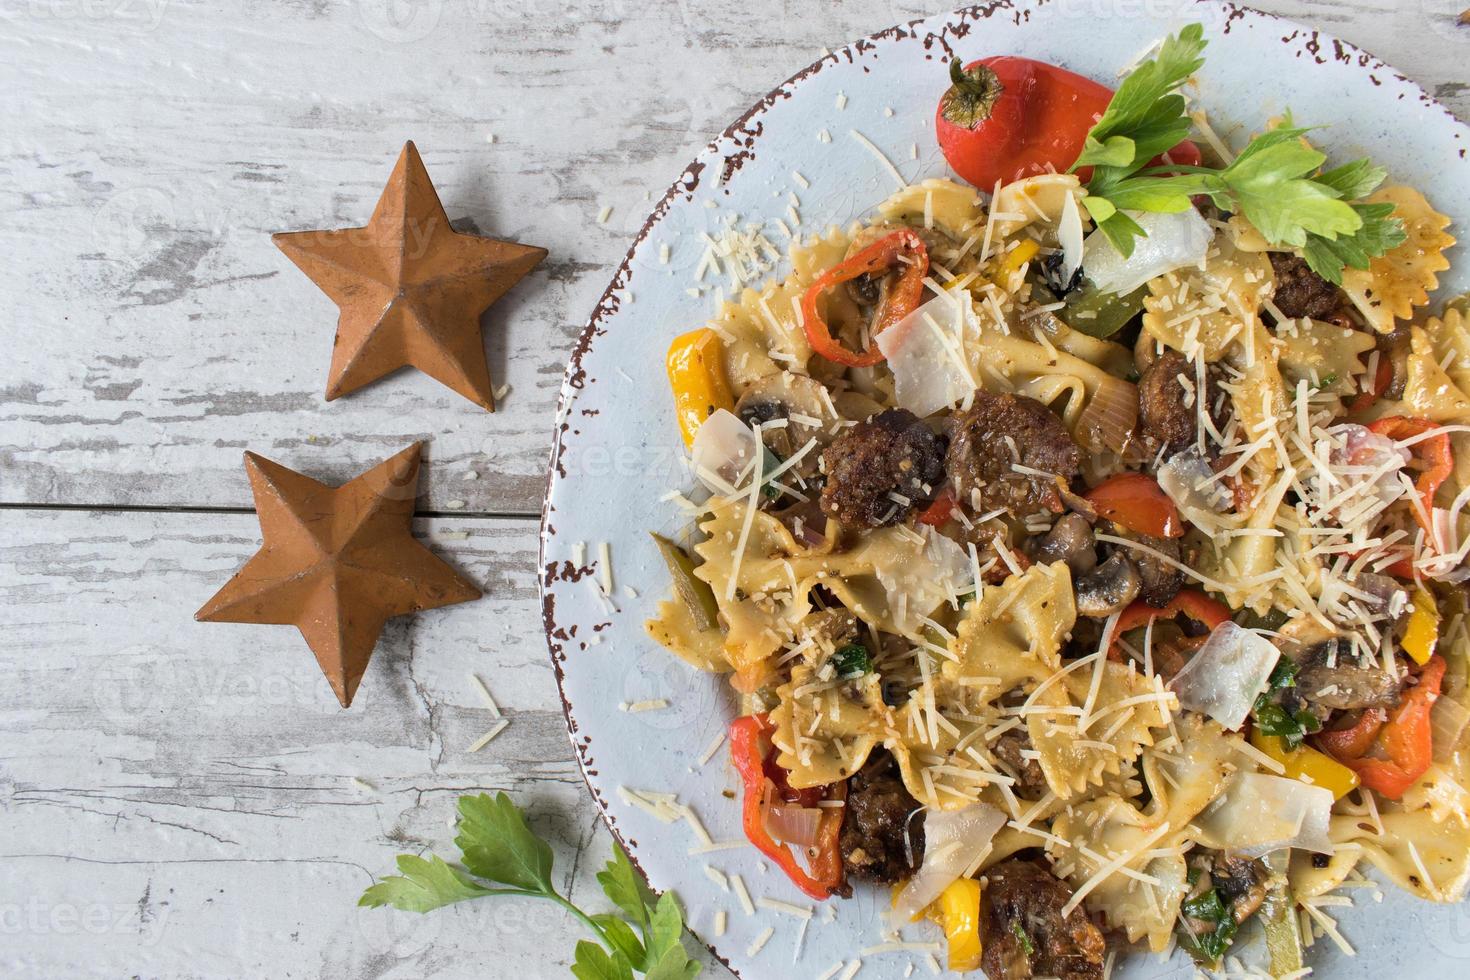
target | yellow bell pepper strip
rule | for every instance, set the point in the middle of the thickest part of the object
(697, 375)
(1024, 252)
(1421, 635)
(1307, 764)
(959, 906)
(904, 249)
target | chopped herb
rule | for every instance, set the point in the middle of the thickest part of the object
(1022, 938)
(497, 846)
(1207, 909)
(1274, 182)
(1273, 718)
(852, 660)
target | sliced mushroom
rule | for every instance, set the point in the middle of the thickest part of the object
(793, 397)
(1109, 588)
(1069, 540)
(1329, 680)
(1241, 882)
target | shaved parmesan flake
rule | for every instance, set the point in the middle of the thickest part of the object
(1172, 241)
(1259, 813)
(1223, 678)
(926, 352)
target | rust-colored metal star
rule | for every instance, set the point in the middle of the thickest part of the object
(337, 563)
(410, 288)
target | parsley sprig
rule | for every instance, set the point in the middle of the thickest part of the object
(1276, 182)
(497, 846)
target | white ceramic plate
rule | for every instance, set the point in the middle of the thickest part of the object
(618, 450)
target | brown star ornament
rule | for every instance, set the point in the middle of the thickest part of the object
(337, 563)
(410, 288)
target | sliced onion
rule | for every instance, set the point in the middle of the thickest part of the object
(1224, 676)
(1172, 241)
(1259, 813)
(792, 824)
(723, 450)
(926, 353)
(1110, 416)
(1448, 719)
(1190, 482)
(953, 841)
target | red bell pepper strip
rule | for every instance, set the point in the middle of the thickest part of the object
(1135, 501)
(902, 247)
(1434, 452)
(748, 750)
(1189, 602)
(1357, 738)
(940, 510)
(1382, 378)
(1407, 739)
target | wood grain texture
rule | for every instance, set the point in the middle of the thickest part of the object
(152, 146)
(176, 799)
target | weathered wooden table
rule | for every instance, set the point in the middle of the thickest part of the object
(182, 800)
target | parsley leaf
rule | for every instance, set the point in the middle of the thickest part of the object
(1146, 117)
(423, 886)
(1379, 233)
(497, 845)
(1274, 182)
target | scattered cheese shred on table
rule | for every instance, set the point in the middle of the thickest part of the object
(746, 905)
(489, 736)
(485, 693)
(604, 214)
(652, 704)
(759, 943)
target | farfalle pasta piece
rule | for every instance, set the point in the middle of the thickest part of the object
(1142, 895)
(1208, 310)
(1402, 278)
(1033, 199)
(890, 580)
(1449, 338)
(1322, 354)
(674, 629)
(1012, 636)
(1131, 860)
(1122, 707)
(826, 728)
(1429, 392)
(1423, 857)
(759, 329)
(954, 208)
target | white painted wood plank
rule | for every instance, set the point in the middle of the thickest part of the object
(177, 799)
(152, 331)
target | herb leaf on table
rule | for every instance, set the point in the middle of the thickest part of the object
(497, 845)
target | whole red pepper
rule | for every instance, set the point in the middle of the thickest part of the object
(1406, 739)
(1189, 602)
(1005, 118)
(903, 248)
(748, 751)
